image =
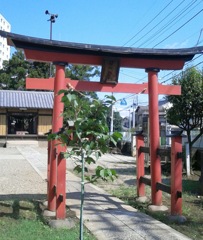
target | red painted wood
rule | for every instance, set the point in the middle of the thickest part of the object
(176, 176)
(48, 167)
(57, 123)
(140, 166)
(155, 162)
(40, 83)
(53, 178)
(164, 64)
(61, 184)
(48, 84)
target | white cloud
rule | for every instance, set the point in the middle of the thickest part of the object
(177, 45)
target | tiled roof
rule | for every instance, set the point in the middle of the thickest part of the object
(26, 99)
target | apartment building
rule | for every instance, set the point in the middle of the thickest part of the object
(4, 48)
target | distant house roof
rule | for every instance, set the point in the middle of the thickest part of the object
(163, 104)
(26, 99)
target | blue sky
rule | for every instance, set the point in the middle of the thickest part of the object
(135, 23)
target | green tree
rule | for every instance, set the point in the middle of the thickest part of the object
(89, 137)
(187, 109)
(79, 72)
(83, 73)
(15, 71)
(39, 70)
(117, 122)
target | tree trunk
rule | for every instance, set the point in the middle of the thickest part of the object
(187, 159)
(201, 177)
(190, 142)
(197, 137)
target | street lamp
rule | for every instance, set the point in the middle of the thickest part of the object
(52, 20)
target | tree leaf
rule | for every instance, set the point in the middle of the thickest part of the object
(89, 160)
(78, 169)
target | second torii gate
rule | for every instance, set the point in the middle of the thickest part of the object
(62, 53)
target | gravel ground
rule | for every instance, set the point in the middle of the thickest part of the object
(23, 171)
(18, 178)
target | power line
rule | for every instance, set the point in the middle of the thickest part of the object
(171, 22)
(148, 24)
(176, 70)
(181, 72)
(138, 21)
(167, 80)
(199, 37)
(178, 16)
(179, 28)
(161, 21)
(128, 75)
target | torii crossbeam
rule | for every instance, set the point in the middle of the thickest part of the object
(62, 53)
(48, 84)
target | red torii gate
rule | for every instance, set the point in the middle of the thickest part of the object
(62, 53)
(50, 84)
(53, 171)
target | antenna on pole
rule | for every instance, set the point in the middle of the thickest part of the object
(52, 20)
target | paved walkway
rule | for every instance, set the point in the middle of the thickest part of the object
(107, 217)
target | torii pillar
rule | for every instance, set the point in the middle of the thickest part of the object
(155, 161)
(56, 186)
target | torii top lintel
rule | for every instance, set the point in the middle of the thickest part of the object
(38, 49)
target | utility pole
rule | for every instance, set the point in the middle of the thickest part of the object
(129, 120)
(136, 104)
(133, 113)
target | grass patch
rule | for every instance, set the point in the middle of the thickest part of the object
(23, 220)
(192, 207)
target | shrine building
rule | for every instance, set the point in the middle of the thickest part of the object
(25, 114)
